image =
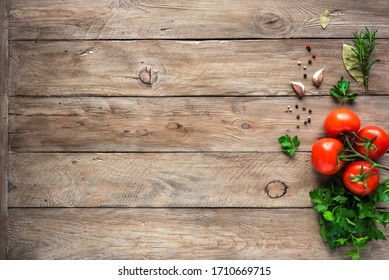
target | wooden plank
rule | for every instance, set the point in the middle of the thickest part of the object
(181, 68)
(59, 233)
(3, 125)
(162, 180)
(129, 19)
(233, 124)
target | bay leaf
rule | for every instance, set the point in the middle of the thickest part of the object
(351, 63)
(325, 18)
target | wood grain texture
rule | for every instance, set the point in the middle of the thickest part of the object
(230, 124)
(181, 68)
(160, 180)
(3, 125)
(139, 19)
(171, 234)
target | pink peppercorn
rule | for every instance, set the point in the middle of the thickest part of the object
(314, 56)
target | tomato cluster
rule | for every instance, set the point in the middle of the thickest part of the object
(347, 142)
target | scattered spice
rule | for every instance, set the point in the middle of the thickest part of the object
(304, 108)
(305, 123)
(297, 106)
(305, 75)
(307, 46)
(305, 67)
(310, 111)
(299, 63)
(314, 56)
(310, 61)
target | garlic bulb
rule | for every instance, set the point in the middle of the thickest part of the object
(317, 78)
(299, 88)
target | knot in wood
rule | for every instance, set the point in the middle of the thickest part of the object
(147, 76)
(174, 125)
(273, 22)
(245, 125)
(276, 189)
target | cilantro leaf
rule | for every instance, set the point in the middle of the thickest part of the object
(340, 90)
(289, 145)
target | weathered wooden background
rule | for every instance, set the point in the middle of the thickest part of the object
(148, 129)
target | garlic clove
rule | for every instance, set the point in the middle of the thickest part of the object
(299, 88)
(317, 78)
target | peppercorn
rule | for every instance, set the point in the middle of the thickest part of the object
(314, 56)
(310, 61)
(305, 76)
(297, 106)
(305, 123)
(298, 117)
(310, 111)
(308, 46)
(304, 108)
(297, 126)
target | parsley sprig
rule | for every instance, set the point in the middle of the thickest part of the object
(348, 220)
(289, 145)
(340, 91)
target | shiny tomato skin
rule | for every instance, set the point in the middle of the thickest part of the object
(381, 142)
(358, 188)
(341, 120)
(324, 156)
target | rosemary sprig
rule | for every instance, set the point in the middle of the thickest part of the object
(364, 44)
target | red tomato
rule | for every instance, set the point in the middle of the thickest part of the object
(355, 169)
(325, 156)
(341, 120)
(381, 142)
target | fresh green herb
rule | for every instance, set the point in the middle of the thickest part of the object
(351, 63)
(289, 145)
(349, 220)
(340, 91)
(364, 44)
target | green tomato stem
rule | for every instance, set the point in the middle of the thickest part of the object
(355, 154)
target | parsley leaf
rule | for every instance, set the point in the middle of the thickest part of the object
(340, 91)
(349, 220)
(289, 145)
